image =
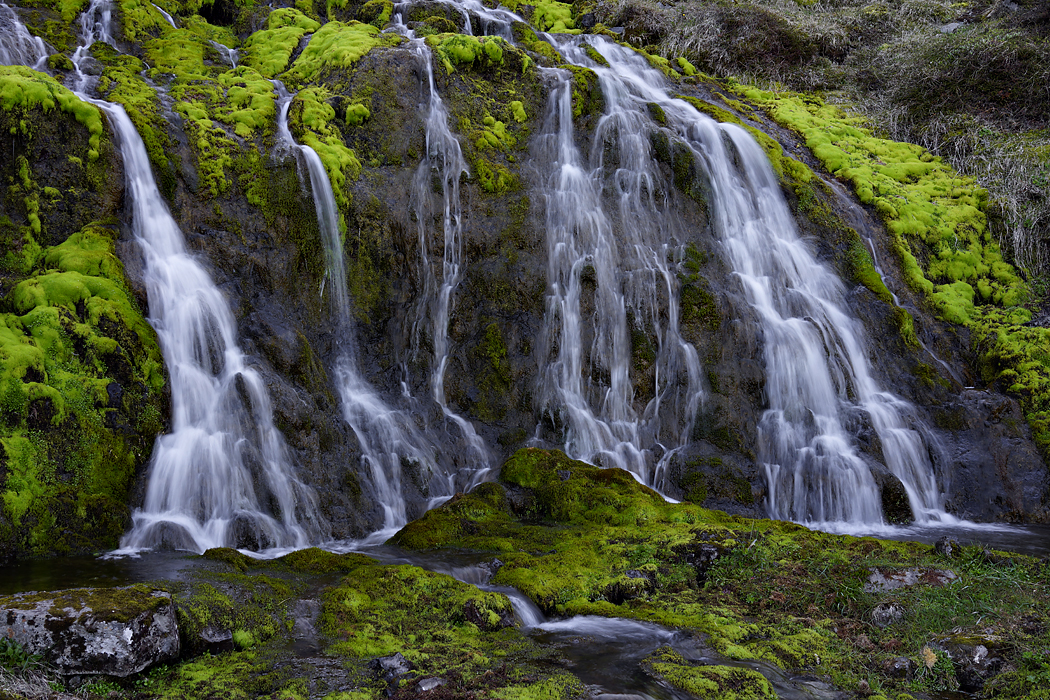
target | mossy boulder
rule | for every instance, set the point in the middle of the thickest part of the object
(94, 631)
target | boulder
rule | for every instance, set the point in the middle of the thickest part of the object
(881, 580)
(85, 631)
(975, 658)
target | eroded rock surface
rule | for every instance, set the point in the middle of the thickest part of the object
(108, 631)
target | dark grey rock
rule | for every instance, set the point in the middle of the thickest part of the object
(390, 668)
(216, 640)
(428, 684)
(976, 659)
(886, 614)
(946, 547)
(92, 631)
(899, 667)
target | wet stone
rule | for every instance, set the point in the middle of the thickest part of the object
(899, 667)
(216, 640)
(428, 684)
(946, 547)
(390, 668)
(882, 580)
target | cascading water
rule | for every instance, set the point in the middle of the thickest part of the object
(94, 26)
(222, 476)
(170, 20)
(18, 47)
(387, 437)
(444, 155)
(632, 270)
(816, 367)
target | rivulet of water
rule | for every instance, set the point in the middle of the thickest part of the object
(628, 255)
(18, 47)
(817, 370)
(222, 476)
(388, 438)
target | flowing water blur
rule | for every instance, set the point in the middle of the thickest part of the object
(18, 47)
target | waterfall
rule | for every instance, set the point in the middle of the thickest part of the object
(634, 277)
(94, 26)
(222, 477)
(17, 46)
(165, 15)
(817, 370)
(387, 437)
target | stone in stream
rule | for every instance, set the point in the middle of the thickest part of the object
(85, 631)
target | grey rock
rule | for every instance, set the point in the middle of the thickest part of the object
(428, 684)
(216, 640)
(976, 659)
(950, 27)
(886, 614)
(391, 667)
(946, 547)
(881, 580)
(899, 667)
(90, 631)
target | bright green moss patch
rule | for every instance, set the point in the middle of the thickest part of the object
(69, 334)
(587, 98)
(581, 540)
(464, 51)
(938, 230)
(527, 39)
(311, 117)
(25, 89)
(250, 102)
(554, 17)
(269, 50)
(708, 682)
(334, 46)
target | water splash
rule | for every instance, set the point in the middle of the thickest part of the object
(18, 47)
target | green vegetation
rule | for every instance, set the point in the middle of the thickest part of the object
(336, 46)
(24, 89)
(582, 540)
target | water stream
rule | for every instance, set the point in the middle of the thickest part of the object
(18, 47)
(387, 437)
(628, 257)
(222, 476)
(818, 377)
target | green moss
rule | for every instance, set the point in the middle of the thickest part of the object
(467, 52)
(71, 328)
(269, 50)
(311, 118)
(708, 682)
(25, 89)
(587, 98)
(527, 39)
(554, 17)
(376, 12)
(336, 46)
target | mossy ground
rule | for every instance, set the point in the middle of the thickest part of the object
(568, 534)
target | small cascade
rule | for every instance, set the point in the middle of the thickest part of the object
(630, 264)
(492, 21)
(818, 377)
(223, 476)
(231, 55)
(94, 26)
(388, 438)
(165, 15)
(443, 158)
(18, 47)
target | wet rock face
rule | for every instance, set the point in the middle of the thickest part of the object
(88, 631)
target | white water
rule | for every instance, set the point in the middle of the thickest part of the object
(94, 26)
(388, 438)
(222, 477)
(18, 47)
(493, 22)
(443, 158)
(231, 55)
(817, 370)
(169, 18)
(630, 262)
